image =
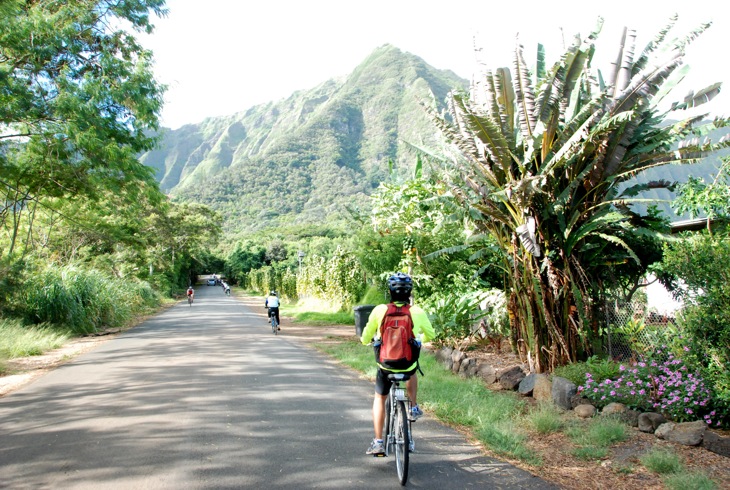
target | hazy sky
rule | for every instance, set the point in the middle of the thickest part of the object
(220, 57)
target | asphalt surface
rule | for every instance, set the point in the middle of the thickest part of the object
(205, 396)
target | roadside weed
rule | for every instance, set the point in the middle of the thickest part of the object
(662, 462)
(545, 419)
(689, 481)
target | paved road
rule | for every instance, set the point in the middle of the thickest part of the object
(206, 397)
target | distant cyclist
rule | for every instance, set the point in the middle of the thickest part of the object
(191, 294)
(272, 303)
(400, 286)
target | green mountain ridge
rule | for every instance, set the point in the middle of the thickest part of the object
(304, 157)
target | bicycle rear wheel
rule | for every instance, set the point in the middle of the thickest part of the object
(274, 326)
(401, 442)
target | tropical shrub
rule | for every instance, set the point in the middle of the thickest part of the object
(538, 162)
(702, 262)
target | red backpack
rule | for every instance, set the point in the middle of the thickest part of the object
(398, 348)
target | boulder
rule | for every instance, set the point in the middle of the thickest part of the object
(631, 417)
(510, 379)
(543, 389)
(458, 357)
(487, 373)
(615, 408)
(649, 421)
(579, 399)
(468, 365)
(562, 391)
(686, 433)
(444, 353)
(716, 443)
(585, 411)
(527, 385)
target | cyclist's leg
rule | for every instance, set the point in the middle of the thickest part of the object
(412, 387)
(382, 387)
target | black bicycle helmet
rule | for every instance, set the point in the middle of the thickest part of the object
(400, 284)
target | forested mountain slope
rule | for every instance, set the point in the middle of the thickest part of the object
(306, 156)
(303, 158)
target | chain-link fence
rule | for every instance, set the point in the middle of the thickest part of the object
(633, 330)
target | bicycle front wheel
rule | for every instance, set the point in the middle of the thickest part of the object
(401, 442)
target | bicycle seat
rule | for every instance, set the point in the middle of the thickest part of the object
(399, 376)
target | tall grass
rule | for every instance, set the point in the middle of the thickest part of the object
(17, 340)
(83, 301)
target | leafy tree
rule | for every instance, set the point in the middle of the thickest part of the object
(540, 158)
(696, 198)
(78, 101)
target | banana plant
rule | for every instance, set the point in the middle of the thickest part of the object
(541, 156)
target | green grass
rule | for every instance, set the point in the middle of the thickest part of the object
(590, 453)
(662, 462)
(17, 340)
(689, 481)
(320, 317)
(545, 419)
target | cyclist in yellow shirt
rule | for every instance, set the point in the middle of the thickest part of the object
(400, 286)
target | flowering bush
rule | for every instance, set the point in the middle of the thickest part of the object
(659, 382)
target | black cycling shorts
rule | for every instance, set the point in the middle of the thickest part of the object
(382, 383)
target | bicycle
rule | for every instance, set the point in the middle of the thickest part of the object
(274, 323)
(190, 300)
(397, 424)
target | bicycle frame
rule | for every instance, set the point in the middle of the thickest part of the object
(272, 320)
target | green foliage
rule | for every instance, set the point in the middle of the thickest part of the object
(696, 198)
(82, 301)
(375, 295)
(540, 159)
(702, 262)
(78, 101)
(456, 316)
(599, 369)
(338, 280)
(662, 461)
